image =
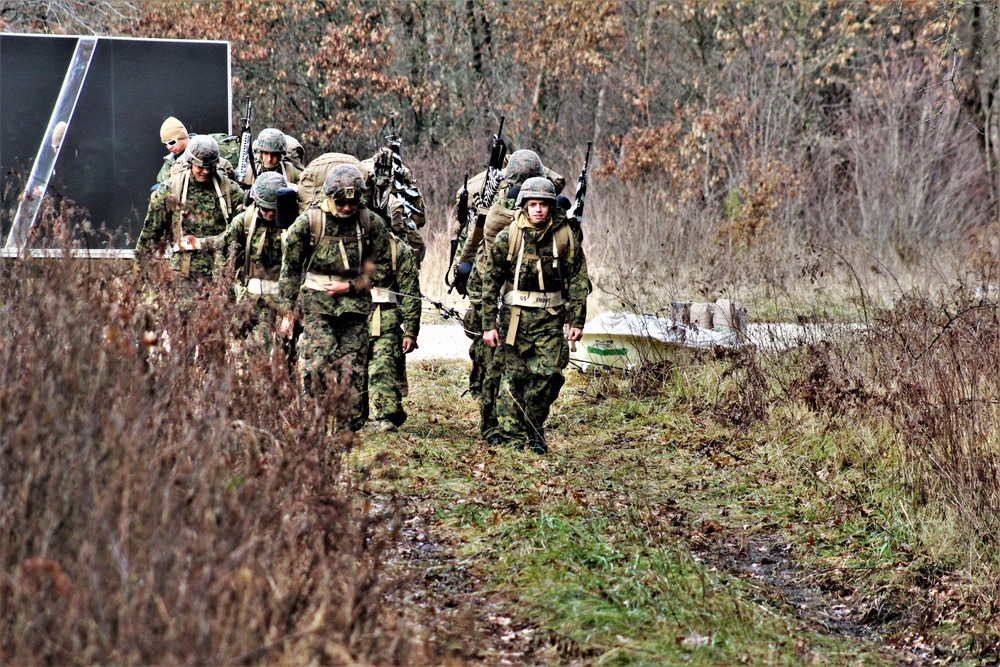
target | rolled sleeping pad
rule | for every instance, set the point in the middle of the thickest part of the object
(288, 207)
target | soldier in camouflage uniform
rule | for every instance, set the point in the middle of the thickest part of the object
(333, 253)
(484, 378)
(197, 201)
(256, 241)
(395, 324)
(537, 267)
(271, 149)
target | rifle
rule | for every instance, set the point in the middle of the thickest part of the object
(480, 200)
(389, 167)
(576, 211)
(494, 173)
(463, 215)
(246, 146)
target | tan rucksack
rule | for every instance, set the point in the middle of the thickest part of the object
(311, 180)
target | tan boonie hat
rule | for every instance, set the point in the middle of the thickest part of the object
(172, 129)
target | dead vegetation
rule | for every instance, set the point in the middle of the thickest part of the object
(166, 494)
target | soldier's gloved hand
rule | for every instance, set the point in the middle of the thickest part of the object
(409, 344)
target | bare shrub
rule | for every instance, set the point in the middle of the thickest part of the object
(166, 493)
(918, 174)
(944, 391)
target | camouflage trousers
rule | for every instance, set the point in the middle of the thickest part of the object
(330, 348)
(261, 325)
(530, 379)
(387, 369)
(484, 378)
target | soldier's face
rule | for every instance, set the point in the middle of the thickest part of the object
(201, 173)
(178, 146)
(346, 207)
(269, 160)
(269, 214)
(537, 210)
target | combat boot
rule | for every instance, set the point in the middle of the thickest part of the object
(536, 442)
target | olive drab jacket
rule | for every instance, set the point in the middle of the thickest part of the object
(338, 251)
(184, 206)
(540, 273)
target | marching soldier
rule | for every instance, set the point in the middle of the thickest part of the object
(197, 201)
(537, 267)
(257, 244)
(395, 324)
(333, 253)
(484, 378)
(271, 149)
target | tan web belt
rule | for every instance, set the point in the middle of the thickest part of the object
(533, 299)
(380, 295)
(318, 281)
(261, 287)
(518, 299)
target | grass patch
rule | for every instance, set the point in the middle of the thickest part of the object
(593, 544)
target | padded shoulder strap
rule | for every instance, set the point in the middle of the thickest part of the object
(178, 193)
(366, 221)
(316, 220)
(515, 235)
(564, 241)
(250, 227)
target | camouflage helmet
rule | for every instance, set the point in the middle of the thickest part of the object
(204, 151)
(344, 181)
(265, 189)
(523, 164)
(271, 140)
(539, 188)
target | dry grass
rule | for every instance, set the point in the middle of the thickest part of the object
(166, 494)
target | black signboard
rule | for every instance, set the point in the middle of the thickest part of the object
(111, 152)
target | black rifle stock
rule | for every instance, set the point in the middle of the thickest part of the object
(481, 199)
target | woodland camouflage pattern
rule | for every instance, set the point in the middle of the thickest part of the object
(531, 368)
(484, 377)
(201, 216)
(334, 327)
(386, 361)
